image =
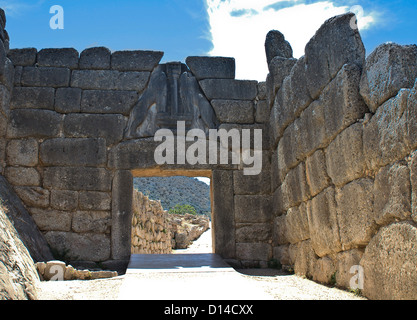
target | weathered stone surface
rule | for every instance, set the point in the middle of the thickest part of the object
(282, 254)
(295, 187)
(92, 200)
(66, 57)
(53, 270)
(73, 152)
(355, 213)
(413, 178)
(64, 200)
(23, 57)
(303, 258)
(5, 98)
(276, 46)
(34, 124)
(234, 111)
(253, 251)
(229, 89)
(392, 191)
(262, 111)
(224, 224)
(279, 69)
(297, 223)
(20, 176)
(389, 264)
(257, 232)
(385, 136)
(280, 233)
(135, 60)
(411, 115)
(95, 58)
(323, 224)
(18, 276)
(341, 100)
(52, 220)
(121, 223)
(22, 153)
(344, 263)
(105, 101)
(32, 98)
(33, 196)
(316, 172)
(335, 44)
(254, 209)
(109, 127)
(344, 156)
(212, 67)
(81, 247)
(389, 68)
(324, 269)
(91, 221)
(67, 178)
(68, 100)
(45, 77)
(109, 80)
(24, 223)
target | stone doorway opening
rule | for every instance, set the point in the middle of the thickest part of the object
(172, 212)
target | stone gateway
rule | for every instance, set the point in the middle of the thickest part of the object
(338, 185)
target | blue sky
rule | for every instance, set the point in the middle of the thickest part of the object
(182, 28)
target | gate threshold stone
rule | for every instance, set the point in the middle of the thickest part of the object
(179, 263)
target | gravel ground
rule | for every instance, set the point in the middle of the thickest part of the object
(247, 284)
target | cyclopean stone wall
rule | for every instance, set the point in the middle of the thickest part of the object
(344, 161)
(338, 185)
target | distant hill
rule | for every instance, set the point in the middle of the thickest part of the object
(176, 190)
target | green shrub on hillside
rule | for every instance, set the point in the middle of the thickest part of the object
(183, 209)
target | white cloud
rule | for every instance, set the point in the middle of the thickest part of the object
(238, 28)
(16, 7)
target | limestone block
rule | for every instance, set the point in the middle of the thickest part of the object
(5, 98)
(23, 57)
(68, 100)
(32, 98)
(92, 200)
(33, 196)
(281, 253)
(121, 220)
(280, 234)
(105, 101)
(355, 214)
(385, 136)
(323, 224)
(389, 264)
(344, 156)
(316, 172)
(51, 220)
(95, 58)
(344, 263)
(286, 151)
(73, 152)
(75, 179)
(234, 111)
(252, 208)
(135, 60)
(224, 224)
(54, 270)
(262, 111)
(109, 80)
(262, 90)
(107, 126)
(303, 258)
(18, 70)
(229, 89)
(212, 67)
(19, 176)
(81, 247)
(257, 232)
(45, 77)
(64, 200)
(276, 46)
(323, 271)
(295, 187)
(335, 44)
(392, 191)
(341, 100)
(91, 221)
(297, 223)
(389, 68)
(34, 124)
(66, 57)
(411, 115)
(22, 153)
(253, 251)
